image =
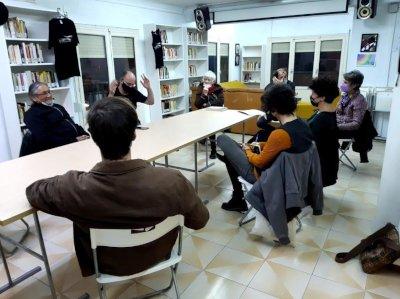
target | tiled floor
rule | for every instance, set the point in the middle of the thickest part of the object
(224, 261)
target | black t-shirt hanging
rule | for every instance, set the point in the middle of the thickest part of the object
(63, 37)
(157, 47)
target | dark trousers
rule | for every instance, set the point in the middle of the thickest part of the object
(348, 135)
(213, 144)
(236, 163)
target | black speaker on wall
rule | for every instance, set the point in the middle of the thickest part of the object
(202, 18)
(366, 9)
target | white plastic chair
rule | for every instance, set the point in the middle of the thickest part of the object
(343, 151)
(131, 238)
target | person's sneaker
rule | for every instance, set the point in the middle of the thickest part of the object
(235, 205)
(213, 155)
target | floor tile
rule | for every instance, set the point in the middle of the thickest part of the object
(361, 197)
(349, 273)
(340, 242)
(322, 288)
(312, 236)
(199, 252)
(235, 265)
(301, 257)
(358, 210)
(322, 221)
(28, 289)
(280, 281)
(253, 245)
(352, 225)
(217, 231)
(386, 283)
(210, 286)
(250, 293)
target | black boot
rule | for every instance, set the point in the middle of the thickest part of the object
(364, 157)
(235, 204)
(213, 154)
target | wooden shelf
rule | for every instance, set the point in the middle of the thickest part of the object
(172, 60)
(172, 44)
(30, 8)
(249, 71)
(198, 59)
(172, 97)
(31, 40)
(51, 89)
(32, 64)
(174, 111)
(197, 45)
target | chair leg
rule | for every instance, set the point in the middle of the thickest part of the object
(300, 225)
(242, 220)
(350, 164)
(175, 282)
(102, 291)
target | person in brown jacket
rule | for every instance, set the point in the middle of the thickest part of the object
(118, 193)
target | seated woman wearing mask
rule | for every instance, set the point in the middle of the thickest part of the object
(126, 87)
(209, 94)
(324, 127)
(48, 122)
(294, 136)
(352, 107)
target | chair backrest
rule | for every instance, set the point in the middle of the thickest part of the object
(28, 145)
(133, 237)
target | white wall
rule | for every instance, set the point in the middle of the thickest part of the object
(5, 147)
(384, 73)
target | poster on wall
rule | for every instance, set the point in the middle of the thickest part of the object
(369, 42)
(237, 54)
(364, 59)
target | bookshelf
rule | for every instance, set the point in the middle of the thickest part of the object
(196, 57)
(253, 66)
(168, 82)
(37, 65)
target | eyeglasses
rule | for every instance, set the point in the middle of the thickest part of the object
(43, 93)
(130, 84)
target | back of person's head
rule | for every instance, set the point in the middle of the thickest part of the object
(325, 87)
(279, 98)
(112, 124)
(355, 77)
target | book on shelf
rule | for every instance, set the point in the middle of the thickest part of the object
(192, 70)
(169, 105)
(163, 73)
(21, 81)
(24, 53)
(15, 28)
(252, 65)
(169, 90)
(192, 53)
(164, 36)
(22, 108)
(195, 38)
(170, 53)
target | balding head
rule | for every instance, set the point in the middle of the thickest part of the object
(129, 78)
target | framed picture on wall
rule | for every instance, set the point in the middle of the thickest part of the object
(237, 54)
(369, 42)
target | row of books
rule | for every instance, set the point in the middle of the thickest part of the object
(15, 28)
(192, 70)
(195, 38)
(169, 90)
(192, 53)
(22, 108)
(22, 81)
(252, 65)
(163, 73)
(25, 53)
(170, 53)
(164, 37)
(169, 105)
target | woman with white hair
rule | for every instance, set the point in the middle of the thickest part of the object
(209, 93)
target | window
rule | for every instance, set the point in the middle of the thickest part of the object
(224, 62)
(279, 56)
(212, 57)
(304, 63)
(94, 69)
(308, 57)
(124, 55)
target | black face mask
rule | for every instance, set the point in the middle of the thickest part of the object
(270, 117)
(129, 90)
(312, 102)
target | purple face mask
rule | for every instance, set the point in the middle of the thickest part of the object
(344, 87)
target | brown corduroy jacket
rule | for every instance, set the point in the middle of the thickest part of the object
(120, 194)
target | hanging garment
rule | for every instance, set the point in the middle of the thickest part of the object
(64, 39)
(157, 47)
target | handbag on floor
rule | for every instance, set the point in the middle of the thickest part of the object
(377, 251)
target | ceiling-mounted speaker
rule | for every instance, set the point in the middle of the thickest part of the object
(366, 9)
(202, 18)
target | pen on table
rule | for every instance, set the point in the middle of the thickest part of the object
(243, 112)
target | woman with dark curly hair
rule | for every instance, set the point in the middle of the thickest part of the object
(293, 136)
(324, 127)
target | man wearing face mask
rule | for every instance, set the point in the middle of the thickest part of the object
(280, 77)
(324, 127)
(126, 87)
(49, 123)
